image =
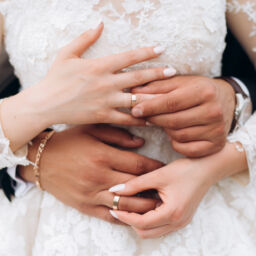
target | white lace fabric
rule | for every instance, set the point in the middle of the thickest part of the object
(7, 157)
(193, 33)
(242, 20)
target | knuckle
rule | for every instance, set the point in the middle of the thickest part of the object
(178, 215)
(182, 136)
(172, 122)
(216, 113)
(220, 130)
(140, 165)
(171, 104)
(138, 76)
(209, 92)
(92, 67)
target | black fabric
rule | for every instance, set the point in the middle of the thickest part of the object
(236, 63)
(6, 183)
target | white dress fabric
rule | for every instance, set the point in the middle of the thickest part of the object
(193, 33)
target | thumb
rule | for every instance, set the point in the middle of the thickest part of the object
(79, 45)
(135, 185)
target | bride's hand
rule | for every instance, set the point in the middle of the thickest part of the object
(77, 168)
(181, 186)
(86, 91)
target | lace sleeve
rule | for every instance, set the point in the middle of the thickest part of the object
(7, 157)
(246, 135)
(241, 17)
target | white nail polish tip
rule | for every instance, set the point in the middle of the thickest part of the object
(113, 214)
(169, 72)
(159, 49)
(117, 188)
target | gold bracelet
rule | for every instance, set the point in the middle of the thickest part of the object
(38, 157)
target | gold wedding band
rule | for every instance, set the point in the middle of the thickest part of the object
(115, 202)
(133, 100)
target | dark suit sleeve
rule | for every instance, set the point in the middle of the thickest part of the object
(237, 64)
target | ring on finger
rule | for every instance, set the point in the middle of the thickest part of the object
(116, 202)
(133, 100)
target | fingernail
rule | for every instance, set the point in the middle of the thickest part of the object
(137, 139)
(159, 49)
(169, 72)
(137, 112)
(117, 188)
(113, 214)
(149, 124)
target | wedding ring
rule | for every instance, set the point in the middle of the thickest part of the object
(133, 100)
(115, 202)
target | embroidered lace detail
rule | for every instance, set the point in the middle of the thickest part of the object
(193, 33)
(7, 157)
(246, 135)
(248, 8)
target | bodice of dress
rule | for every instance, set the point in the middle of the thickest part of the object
(192, 32)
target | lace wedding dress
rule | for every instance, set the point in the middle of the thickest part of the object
(193, 33)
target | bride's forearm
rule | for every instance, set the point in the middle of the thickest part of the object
(226, 163)
(23, 118)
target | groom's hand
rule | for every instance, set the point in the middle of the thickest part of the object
(196, 112)
(78, 169)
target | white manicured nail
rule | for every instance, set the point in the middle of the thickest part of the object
(113, 214)
(159, 49)
(169, 72)
(117, 188)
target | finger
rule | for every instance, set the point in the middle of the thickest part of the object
(164, 86)
(138, 77)
(103, 213)
(154, 232)
(123, 60)
(78, 46)
(130, 204)
(196, 116)
(195, 148)
(149, 220)
(116, 136)
(117, 117)
(136, 185)
(174, 101)
(124, 100)
(130, 162)
(195, 133)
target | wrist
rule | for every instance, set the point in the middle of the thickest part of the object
(228, 95)
(228, 162)
(26, 172)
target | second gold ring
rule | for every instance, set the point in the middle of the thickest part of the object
(116, 202)
(133, 100)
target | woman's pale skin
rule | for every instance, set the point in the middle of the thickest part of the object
(32, 115)
(181, 186)
(96, 97)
